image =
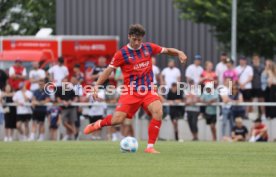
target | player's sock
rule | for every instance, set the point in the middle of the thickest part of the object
(154, 128)
(106, 121)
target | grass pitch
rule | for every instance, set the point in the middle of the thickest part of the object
(104, 159)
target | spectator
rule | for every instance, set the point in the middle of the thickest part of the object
(221, 68)
(58, 72)
(194, 71)
(208, 98)
(272, 89)
(3, 79)
(17, 75)
(208, 75)
(78, 74)
(257, 91)
(97, 112)
(266, 88)
(226, 108)
(24, 113)
(230, 73)
(35, 75)
(39, 111)
(1, 109)
(102, 65)
(258, 132)
(156, 71)
(191, 98)
(170, 74)
(245, 74)
(176, 112)
(69, 112)
(236, 97)
(89, 69)
(9, 114)
(54, 119)
(239, 132)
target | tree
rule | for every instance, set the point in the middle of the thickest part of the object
(26, 17)
(256, 27)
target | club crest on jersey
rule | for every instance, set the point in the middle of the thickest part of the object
(146, 53)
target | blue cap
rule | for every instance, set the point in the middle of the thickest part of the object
(198, 56)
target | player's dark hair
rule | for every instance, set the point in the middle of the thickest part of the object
(137, 30)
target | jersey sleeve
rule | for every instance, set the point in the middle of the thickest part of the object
(117, 60)
(156, 49)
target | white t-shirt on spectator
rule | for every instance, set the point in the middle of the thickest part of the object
(220, 69)
(98, 110)
(194, 72)
(171, 75)
(59, 73)
(244, 73)
(12, 71)
(37, 75)
(155, 71)
(19, 98)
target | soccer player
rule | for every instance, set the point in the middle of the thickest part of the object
(136, 64)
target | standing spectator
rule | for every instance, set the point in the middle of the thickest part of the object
(211, 111)
(194, 71)
(230, 73)
(58, 72)
(239, 132)
(9, 113)
(3, 79)
(266, 88)
(221, 68)
(170, 74)
(24, 113)
(245, 74)
(35, 75)
(1, 108)
(258, 132)
(89, 68)
(191, 98)
(272, 89)
(236, 97)
(69, 112)
(156, 71)
(176, 112)
(17, 75)
(78, 74)
(257, 91)
(54, 119)
(97, 112)
(40, 111)
(100, 67)
(208, 75)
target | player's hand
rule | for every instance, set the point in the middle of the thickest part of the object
(182, 57)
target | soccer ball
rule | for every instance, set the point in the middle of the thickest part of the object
(129, 144)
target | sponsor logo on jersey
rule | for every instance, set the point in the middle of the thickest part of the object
(141, 65)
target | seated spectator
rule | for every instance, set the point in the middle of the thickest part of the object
(176, 112)
(9, 114)
(210, 112)
(230, 72)
(17, 75)
(191, 98)
(54, 120)
(239, 132)
(39, 111)
(24, 113)
(258, 132)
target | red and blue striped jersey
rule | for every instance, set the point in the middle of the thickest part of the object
(136, 65)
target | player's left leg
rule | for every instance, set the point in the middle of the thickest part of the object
(155, 111)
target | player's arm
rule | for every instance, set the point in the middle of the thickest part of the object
(176, 53)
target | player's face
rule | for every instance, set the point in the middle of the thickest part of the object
(135, 41)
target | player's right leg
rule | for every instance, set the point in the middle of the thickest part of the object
(109, 120)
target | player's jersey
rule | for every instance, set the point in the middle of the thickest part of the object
(136, 65)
